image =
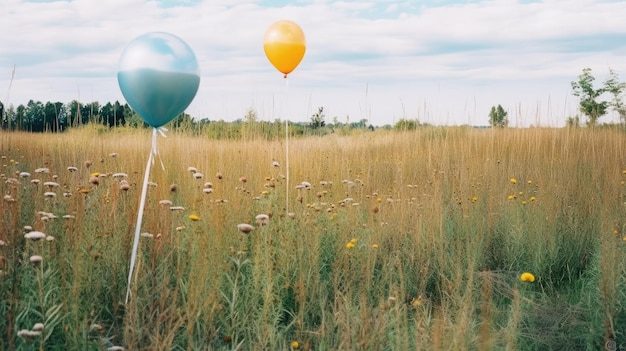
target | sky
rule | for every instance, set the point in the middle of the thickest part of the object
(443, 62)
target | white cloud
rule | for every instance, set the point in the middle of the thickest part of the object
(438, 55)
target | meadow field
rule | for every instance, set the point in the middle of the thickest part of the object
(435, 239)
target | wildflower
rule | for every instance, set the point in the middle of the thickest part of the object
(94, 180)
(146, 235)
(42, 170)
(208, 185)
(192, 169)
(173, 187)
(513, 181)
(34, 235)
(198, 175)
(9, 198)
(529, 181)
(24, 174)
(194, 217)
(36, 259)
(524, 202)
(49, 194)
(350, 245)
(114, 154)
(474, 199)
(417, 302)
(165, 202)
(262, 219)
(28, 228)
(219, 176)
(49, 238)
(51, 184)
(275, 164)
(527, 277)
(37, 327)
(153, 184)
(35, 181)
(243, 179)
(511, 197)
(124, 186)
(88, 163)
(207, 190)
(306, 185)
(69, 216)
(119, 175)
(72, 169)
(295, 345)
(28, 335)
(532, 198)
(177, 208)
(374, 246)
(245, 228)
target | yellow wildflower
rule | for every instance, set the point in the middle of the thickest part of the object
(295, 345)
(513, 181)
(527, 277)
(374, 246)
(194, 217)
(350, 245)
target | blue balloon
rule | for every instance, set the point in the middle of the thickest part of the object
(159, 76)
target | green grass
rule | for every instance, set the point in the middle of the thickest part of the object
(441, 235)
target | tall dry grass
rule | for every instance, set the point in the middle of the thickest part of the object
(405, 241)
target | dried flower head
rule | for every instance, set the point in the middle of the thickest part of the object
(34, 235)
(36, 259)
(262, 219)
(245, 228)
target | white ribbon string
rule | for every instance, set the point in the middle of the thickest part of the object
(142, 202)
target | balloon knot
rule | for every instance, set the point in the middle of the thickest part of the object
(285, 76)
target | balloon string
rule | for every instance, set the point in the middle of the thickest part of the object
(142, 203)
(155, 151)
(287, 147)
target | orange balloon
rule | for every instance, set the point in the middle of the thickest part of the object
(284, 45)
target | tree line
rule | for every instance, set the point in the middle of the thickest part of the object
(594, 102)
(37, 116)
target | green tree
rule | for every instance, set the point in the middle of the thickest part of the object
(35, 116)
(615, 88)
(317, 119)
(498, 117)
(406, 124)
(590, 106)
